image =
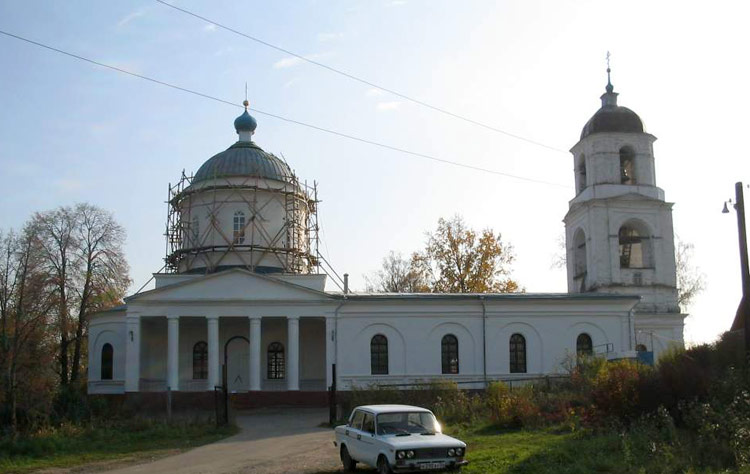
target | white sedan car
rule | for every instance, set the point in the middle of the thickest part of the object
(397, 438)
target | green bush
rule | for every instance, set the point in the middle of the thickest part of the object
(615, 390)
(517, 408)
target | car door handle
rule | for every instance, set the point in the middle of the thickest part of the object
(359, 436)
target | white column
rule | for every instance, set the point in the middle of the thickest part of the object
(173, 352)
(292, 372)
(330, 349)
(255, 345)
(214, 372)
(132, 351)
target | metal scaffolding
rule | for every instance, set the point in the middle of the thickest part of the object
(290, 243)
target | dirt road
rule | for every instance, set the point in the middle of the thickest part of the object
(270, 441)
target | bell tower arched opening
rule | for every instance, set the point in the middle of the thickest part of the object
(636, 249)
(627, 166)
(579, 259)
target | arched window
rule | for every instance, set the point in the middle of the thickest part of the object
(449, 353)
(627, 165)
(641, 348)
(581, 171)
(239, 228)
(517, 354)
(584, 346)
(107, 362)
(635, 246)
(200, 361)
(275, 361)
(379, 355)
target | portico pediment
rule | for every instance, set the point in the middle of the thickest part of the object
(231, 285)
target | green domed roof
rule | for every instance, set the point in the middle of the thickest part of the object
(244, 159)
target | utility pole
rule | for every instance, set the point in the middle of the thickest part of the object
(742, 318)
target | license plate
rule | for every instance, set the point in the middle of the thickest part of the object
(432, 465)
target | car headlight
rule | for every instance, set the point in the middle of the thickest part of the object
(459, 451)
(400, 454)
(410, 454)
(451, 452)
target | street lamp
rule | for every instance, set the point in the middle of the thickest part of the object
(742, 318)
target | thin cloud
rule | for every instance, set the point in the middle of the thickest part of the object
(323, 37)
(132, 16)
(291, 61)
(374, 92)
(396, 3)
(392, 105)
(209, 27)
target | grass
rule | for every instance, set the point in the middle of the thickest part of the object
(548, 451)
(71, 446)
(553, 451)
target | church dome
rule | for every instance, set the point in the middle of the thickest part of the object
(245, 123)
(244, 158)
(612, 117)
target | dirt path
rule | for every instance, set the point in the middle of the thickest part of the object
(271, 441)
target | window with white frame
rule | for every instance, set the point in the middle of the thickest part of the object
(239, 228)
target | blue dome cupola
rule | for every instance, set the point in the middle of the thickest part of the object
(245, 124)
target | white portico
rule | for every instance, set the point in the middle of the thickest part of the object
(179, 335)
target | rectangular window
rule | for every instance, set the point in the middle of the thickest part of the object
(239, 228)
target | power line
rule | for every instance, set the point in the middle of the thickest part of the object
(279, 117)
(364, 81)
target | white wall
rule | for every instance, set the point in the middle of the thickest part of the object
(414, 339)
(109, 329)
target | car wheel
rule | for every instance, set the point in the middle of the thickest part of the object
(349, 463)
(383, 466)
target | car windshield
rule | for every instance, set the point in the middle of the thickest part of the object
(407, 423)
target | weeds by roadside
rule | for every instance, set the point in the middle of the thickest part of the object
(74, 444)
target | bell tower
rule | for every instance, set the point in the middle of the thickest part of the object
(618, 229)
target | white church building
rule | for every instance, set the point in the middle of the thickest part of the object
(242, 286)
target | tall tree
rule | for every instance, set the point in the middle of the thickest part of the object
(456, 259)
(54, 231)
(464, 261)
(399, 275)
(103, 276)
(25, 304)
(81, 250)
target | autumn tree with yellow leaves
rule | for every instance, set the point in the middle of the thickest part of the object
(456, 259)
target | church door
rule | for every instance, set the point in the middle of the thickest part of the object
(238, 352)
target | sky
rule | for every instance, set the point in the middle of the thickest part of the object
(72, 132)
